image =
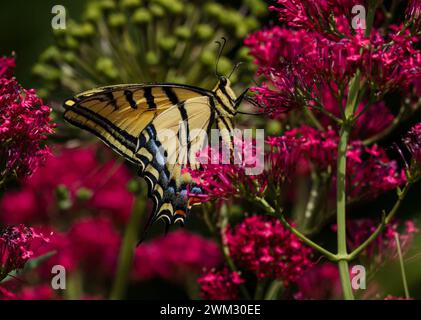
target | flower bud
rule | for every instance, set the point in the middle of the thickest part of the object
(141, 16)
(106, 66)
(84, 194)
(63, 199)
(130, 4)
(117, 20)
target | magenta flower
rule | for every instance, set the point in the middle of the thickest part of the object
(95, 243)
(300, 75)
(320, 15)
(220, 285)
(370, 171)
(266, 248)
(319, 283)
(7, 66)
(91, 244)
(390, 297)
(283, 159)
(106, 183)
(317, 148)
(372, 121)
(384, 246)
(413, 12)
(271, 47)
(412, 141)
(301, 66)
(16, 248)
(391, 62)
(61, 244)
(175, 257)
(6, 294)
(220, 181)
(24, 124)
(39, 292)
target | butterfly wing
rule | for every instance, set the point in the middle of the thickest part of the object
(159, 127)
(170, 144)
(118, 114)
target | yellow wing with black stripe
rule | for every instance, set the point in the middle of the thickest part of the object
(158, 126)
(118, 114)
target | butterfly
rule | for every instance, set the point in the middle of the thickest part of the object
(131, 118)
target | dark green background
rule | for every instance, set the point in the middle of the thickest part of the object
(25, 28)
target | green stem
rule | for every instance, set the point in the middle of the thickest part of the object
(370, 16)
(260, 290)
(271, 211)
(274, 289)
(345, 280)
(346, 125)
(352, 102)
(127, 249)
(395, 123)
(385, 220)
(312, 118)
(405, 283)
(312, 202)
(225, 249)
(341, 192)
(74, 286)
(341, 213)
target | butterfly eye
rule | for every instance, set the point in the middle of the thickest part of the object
(223, 80)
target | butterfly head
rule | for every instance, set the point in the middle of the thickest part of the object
(224, 84)
(225, 93)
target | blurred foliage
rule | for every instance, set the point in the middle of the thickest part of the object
(134, 41)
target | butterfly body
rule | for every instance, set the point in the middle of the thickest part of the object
(158, 127)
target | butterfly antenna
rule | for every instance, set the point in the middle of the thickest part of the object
(250, 113)
(221, 48)
(235, 68)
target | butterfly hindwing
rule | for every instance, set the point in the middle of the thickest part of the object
(175, 137)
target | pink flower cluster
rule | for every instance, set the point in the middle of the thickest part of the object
(266, 248)
(320, 15)
(175, 257)
(413, 13)
(85, 235)
(24, 124)
(220, 181)
(16, 247)
(298, 152)
(7, 66)
(319, 283)
(77, 170)
(220, 285)
(370, 171)
(91, 244)
(300, 66)
(384, 246)
(370, 122)
(412, 141)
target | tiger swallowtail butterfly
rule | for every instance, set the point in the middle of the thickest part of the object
(129, 118)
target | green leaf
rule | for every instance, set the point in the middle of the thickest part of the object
(31, 264)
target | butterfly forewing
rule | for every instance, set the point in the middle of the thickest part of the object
(159, 127)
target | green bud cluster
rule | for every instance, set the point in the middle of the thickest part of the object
(135, 41)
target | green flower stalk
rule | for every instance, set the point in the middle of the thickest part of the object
(134, 41)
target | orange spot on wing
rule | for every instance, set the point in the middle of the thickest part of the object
(180, 212)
